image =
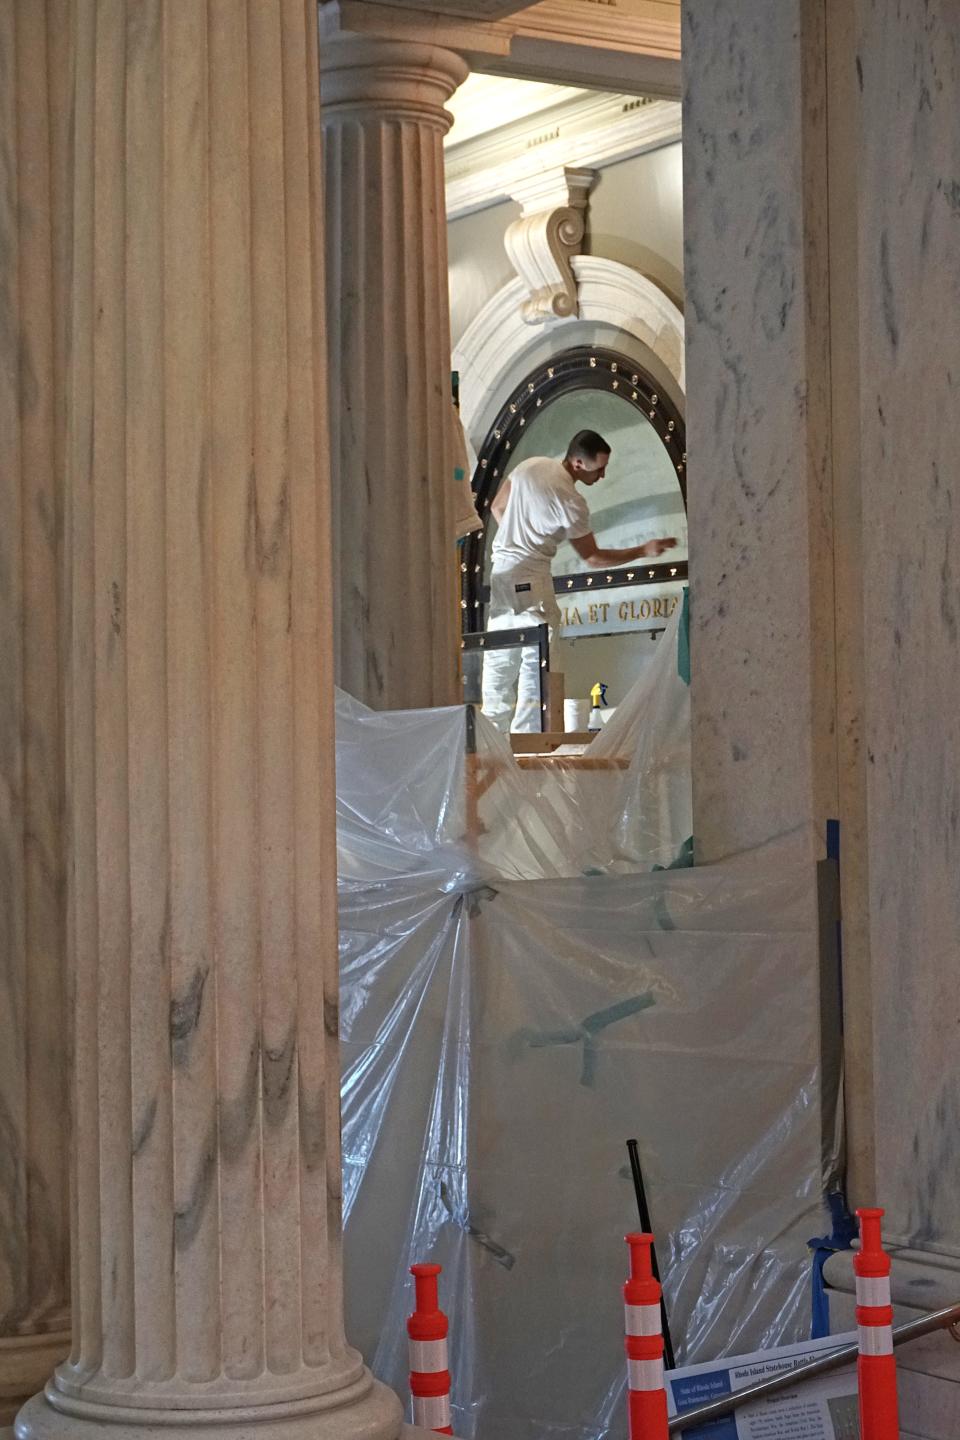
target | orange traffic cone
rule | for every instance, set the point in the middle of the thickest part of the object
(429, 1374)
(876, 1367)
(646, 1395)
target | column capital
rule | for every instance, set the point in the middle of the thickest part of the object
(367, 78)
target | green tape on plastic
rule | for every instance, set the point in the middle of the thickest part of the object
(586, 1033)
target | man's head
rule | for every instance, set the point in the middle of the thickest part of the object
(587, 457)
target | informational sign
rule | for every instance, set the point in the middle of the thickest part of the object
(824, 1408)
(613, 610)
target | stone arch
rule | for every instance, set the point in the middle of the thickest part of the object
(618, 307)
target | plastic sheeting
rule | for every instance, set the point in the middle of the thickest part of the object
(419, 794)
(507, 1022)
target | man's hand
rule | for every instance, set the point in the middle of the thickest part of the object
(653, 548)
(587, 548)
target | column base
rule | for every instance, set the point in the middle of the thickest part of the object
(26, 1362)
(366, 1410)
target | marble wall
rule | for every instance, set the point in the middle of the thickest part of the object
(34, 1272)
(907, 63)
(821, 444)
(822, 215)
(757, 312)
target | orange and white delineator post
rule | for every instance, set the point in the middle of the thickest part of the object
(646, 1395)
(429, 1373)
(876, 1366)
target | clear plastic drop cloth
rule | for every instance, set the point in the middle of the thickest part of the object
(638, 810)
(511, 1013)
(401, 795)
(439, 792)
(499, 1047)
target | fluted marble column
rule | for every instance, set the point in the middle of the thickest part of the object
(389, 355)
(34, 1267)
(201, 914)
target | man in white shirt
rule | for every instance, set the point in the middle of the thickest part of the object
(536, 508)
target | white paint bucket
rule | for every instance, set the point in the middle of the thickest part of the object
(576, 714)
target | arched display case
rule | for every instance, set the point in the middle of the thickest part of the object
(643, 495)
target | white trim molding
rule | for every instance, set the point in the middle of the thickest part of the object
(484, 103)
(491, 352)
(591, 131)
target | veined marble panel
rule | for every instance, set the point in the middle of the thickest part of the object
(761, 304)
(757, 319)
(908, 74)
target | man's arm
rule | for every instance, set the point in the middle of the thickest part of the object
(587, 548)
(499, 502)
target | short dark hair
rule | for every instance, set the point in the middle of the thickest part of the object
(587, 445)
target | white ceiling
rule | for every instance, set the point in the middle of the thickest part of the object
(485, 103)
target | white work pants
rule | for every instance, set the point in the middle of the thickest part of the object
(511, 678)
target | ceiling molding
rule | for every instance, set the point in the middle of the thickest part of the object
(469, 9)
(587, 132)
(485, 103)
(649, 25)
(393, 22)
(624, 45)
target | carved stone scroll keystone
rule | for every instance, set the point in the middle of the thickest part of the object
(549, 233)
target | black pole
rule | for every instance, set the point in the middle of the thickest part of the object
(645, 1224)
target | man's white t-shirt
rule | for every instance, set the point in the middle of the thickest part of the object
(543, 508)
